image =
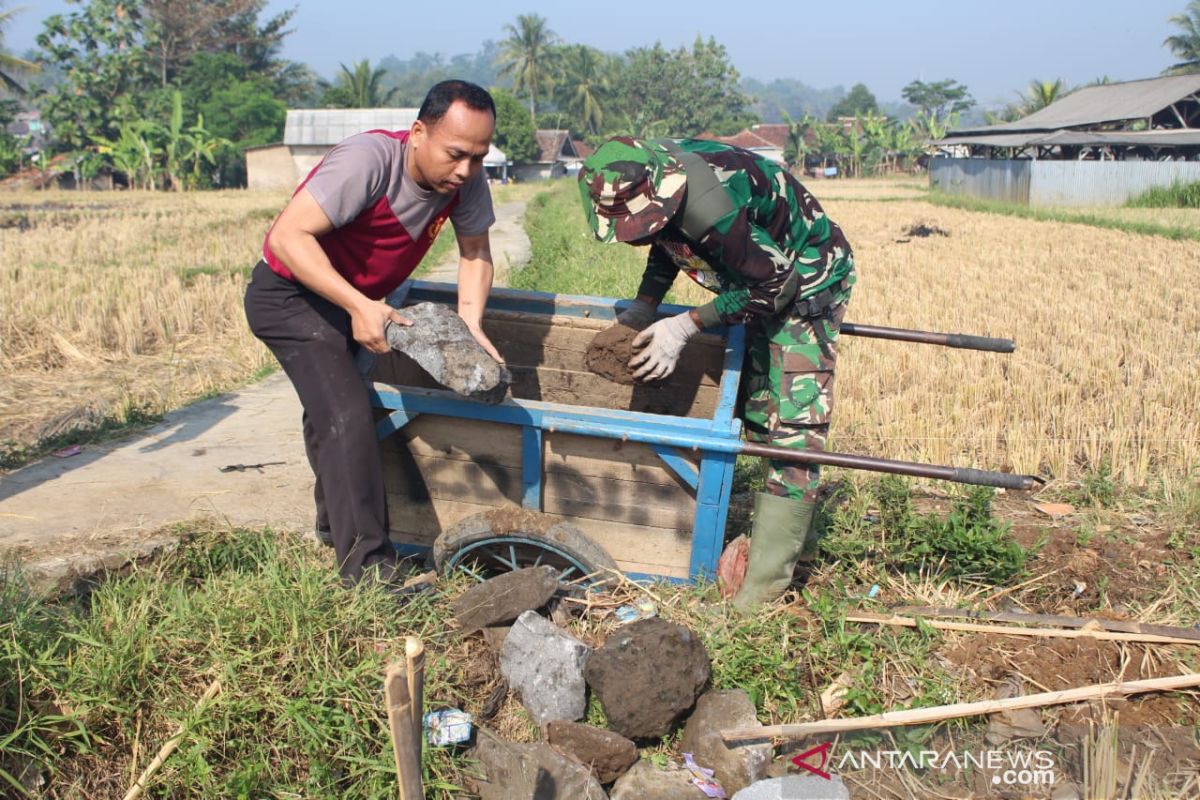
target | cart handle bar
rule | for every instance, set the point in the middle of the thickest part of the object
(976, 477)
(962, 341)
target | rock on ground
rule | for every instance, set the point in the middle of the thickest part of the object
(648, 675)
(796, 787)
(609, 754)
(530, 772)
(500, 600)
(647, 782)
(736, 766)
(438, 340)
(545, 664)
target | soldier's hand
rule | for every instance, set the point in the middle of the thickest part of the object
(638, 316)
(657, 349)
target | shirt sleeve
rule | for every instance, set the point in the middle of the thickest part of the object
(659, 274)
(473, 214)
(769, 281)
(352, 177)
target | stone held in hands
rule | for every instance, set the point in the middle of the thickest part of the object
(439, 341)
(647, 675)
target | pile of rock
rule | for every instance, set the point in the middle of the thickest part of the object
(649, 676)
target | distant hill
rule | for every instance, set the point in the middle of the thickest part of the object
(790, 95)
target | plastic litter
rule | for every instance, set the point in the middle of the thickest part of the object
(67, 452)
(703, 779)
(642, 609)
(447, 727)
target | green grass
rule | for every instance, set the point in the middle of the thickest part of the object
(1177, 195)
(967, 543)
(1061, 215)
(85, 684)
(566, 258)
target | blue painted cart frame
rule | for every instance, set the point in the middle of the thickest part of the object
(714, 440)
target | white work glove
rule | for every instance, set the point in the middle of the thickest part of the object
(638, 316)
(657, 349)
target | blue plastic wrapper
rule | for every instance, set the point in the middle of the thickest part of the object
(447, 727)
(642, 609)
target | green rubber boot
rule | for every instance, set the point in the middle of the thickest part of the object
(780, 539)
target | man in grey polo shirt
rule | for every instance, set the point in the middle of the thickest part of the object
(355, 229)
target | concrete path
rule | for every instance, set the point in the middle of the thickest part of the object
(67, 518)
(510, 247)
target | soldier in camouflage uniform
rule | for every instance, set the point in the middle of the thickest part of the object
(743, 227)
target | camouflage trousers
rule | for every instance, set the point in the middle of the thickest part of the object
(787, 390)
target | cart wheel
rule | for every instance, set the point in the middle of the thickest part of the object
(475, 546)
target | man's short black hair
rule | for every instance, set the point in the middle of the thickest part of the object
(446, 93)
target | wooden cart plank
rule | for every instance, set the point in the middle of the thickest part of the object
(618, 501)
(637, 548)
(532, 343)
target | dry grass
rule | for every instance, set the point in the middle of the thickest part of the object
(113, 302)
(1108, 332)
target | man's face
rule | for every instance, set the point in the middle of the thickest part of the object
(448, 154)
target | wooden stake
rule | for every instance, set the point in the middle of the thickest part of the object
(1058, 620)
(920, 716)
(164, 753)
(403, 687)
(1010, 630)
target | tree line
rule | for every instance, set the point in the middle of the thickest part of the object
(170, 93)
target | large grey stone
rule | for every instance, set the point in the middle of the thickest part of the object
(609, 754)
(648, 675)
(500, 600)
(736, 766)
(545, 665)
(439, 341)
(514, 771)
(647, 782)
(796, 787)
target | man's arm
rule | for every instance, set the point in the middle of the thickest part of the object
(293, 240)
(475, 272)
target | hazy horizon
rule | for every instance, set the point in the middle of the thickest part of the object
(995, 53)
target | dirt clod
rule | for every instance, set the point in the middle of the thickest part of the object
(609, 353)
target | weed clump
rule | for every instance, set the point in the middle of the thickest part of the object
(879, 522)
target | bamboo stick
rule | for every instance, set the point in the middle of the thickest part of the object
(920, 716)
(1011, 630)
(1118, 625)
(403, 684)
(164, 753)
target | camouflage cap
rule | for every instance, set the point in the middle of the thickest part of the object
(631, 188)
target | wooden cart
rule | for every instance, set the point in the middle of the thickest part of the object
(572, 469)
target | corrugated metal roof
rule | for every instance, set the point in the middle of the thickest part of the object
(1161, 138)
(1096, 105)
(328, 126)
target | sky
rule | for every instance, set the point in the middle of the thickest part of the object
(995, 49)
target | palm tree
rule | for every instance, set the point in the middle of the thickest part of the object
(10, 64)
(526, 55)
(362, 85)
(583, 85)
(797, 147)
(1042, 93)
(1186, 44)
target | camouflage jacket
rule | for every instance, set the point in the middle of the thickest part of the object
(775, 247)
